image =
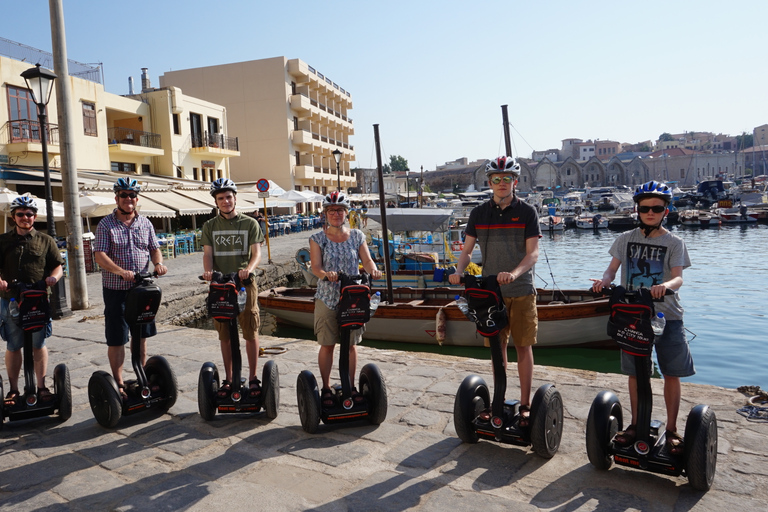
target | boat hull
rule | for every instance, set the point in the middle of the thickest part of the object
(579, 323)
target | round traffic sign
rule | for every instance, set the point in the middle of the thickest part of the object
(262, 185)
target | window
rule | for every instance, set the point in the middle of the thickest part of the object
(23, 115)
(196, 173)
(144, 168)
(89, 119)
(297, 158)
(179, 172)
(123, 167)
(176, 125)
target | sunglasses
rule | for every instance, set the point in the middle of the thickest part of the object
(654, 209)
(27, 215)
(126, 195)
(498, 179)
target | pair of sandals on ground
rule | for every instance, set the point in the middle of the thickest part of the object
(328, 397)
(254, 388)
(44, 394)
(628, 436)
(524, 417)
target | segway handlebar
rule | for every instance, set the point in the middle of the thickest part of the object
(349, 276)
(15, 284)
(634, 293)
(217, 277)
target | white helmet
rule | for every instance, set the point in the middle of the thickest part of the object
(503, 164)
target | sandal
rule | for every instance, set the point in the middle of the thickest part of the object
(45, 394)
(121, 390)
(525, 419)
(254, 388)
(674, 443)
(327, 397)
(356, 397)
(224, 390)
(627, 436)
(10, 398)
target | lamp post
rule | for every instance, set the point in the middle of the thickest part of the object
(421, 189)
(40, 83)
(337, 156)
(407, 187)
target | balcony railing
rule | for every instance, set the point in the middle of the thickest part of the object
(24, 130)
(215, 140)
(119, 135)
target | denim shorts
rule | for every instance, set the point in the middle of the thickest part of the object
(14, 335)
(116, 329)
(672, 353)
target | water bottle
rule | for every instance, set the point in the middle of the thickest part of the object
(375, 300)
(242, 296)
(463, 305)
(658, 323)
(13, 308)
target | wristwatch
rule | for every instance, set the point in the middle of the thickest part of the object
(159, 263)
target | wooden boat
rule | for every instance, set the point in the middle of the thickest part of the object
(566, 317)
(591, 221)
(551, 223)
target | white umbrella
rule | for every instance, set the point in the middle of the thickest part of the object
(92, 205)
(42, 213)
(304, 196)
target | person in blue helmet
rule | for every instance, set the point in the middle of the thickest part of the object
(651, 257)
(26, 256)
(125, 244)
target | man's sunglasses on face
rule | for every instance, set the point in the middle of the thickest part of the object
(24, 214)
(655, 209)
(126, 195)
(498, 179)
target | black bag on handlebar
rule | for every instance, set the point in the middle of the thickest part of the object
(486, 305)
(142, 303)
(629, 323)
(222, 299)
(34, 310)
(354, 309)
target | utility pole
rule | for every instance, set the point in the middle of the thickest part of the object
(78, 288)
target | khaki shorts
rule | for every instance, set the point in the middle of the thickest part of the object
(523, 321)
(327, 326)
(248, 319)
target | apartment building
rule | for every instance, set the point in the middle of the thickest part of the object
(290, 119)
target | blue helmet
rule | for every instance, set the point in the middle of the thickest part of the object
(127, 184)
(222, 184)
(653, 189)
(24, 202)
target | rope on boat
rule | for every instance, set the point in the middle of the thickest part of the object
(754, 410)
(272, 350)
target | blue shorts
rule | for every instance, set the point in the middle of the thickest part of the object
(116, 329)
(672, 352)
(14, 335)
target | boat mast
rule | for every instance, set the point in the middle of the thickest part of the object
(505, 119)
(384, 232)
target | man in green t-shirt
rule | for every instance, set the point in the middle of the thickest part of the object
(232, 243)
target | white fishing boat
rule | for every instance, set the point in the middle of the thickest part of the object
(591, 221)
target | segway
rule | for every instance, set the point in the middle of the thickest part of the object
(223, 305)
(155, 385)
(629, 326)
(471, 418)
(353, 312)
(34, 315)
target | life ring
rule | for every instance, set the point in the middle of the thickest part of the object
(458, 246)
(406, 247)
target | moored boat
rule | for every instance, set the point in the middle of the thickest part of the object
(736, 215)
(552, 223)
(590, 221)
(566, 317)
(697, 219)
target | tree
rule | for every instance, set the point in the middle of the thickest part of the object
(666, 137)
(397, 163)
(744, 140)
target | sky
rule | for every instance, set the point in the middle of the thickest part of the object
(434, 74)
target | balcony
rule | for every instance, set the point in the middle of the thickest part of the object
(23, 136)
(300, 103)
(302, 138)
(128, 142)
(215, 144)
(305, 172)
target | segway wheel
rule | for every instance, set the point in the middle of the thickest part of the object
(207, 386)
(308, 398)
(471, 399)
(546, 421)
(270, 376)
(105, 399)
(374, 390)
(159, 373)
(701, 447)
(604, 421)
(63, 391)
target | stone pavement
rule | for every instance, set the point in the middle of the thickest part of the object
(412, 461)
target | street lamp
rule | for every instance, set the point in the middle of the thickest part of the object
(40, 84)
(407, 188)
(337, 156)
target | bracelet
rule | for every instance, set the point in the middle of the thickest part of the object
(159, 263)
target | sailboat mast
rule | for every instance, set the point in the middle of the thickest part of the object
(383, 205)
(507, 140)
